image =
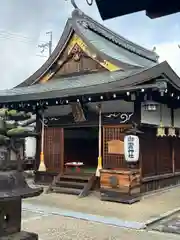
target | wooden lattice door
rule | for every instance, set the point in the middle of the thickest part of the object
(113, 141)
(54, 149)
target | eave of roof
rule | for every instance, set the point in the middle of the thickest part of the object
(109, 50)
(114, 37)
(96, 83)
(73, 25)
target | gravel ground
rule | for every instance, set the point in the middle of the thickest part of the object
(139, 212)
(56, 227)
(53, 227)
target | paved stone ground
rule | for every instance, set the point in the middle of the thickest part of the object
(53, 227)
(143, 211)
(42, 218)
(169, 225)
(30, 216)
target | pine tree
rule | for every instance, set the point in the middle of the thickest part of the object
(13, 131)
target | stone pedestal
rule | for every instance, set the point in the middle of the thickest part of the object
(10, 216)
(21, 236)
(13, 188)
(10, 221)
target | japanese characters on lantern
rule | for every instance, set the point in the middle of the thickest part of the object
(131, 148)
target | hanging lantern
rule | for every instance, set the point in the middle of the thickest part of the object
(150, 106)
(178, 133)
(171, 132)
(30, 148)
(131, 148)
(161, 130)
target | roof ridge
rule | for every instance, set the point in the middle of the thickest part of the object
(134, 47)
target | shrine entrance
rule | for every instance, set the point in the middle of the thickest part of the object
(81, 148)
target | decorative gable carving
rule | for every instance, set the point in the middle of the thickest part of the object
(77, 58)
(79, 63)
(76, 52)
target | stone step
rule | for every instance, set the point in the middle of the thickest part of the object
(71, 191)
(70, 184)
(72, 177)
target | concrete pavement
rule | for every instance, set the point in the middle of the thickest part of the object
(58, 216)
(147, 210)
(53, 227)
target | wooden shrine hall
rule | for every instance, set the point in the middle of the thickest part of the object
(86, 97)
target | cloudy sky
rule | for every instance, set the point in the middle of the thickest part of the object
(24, 23)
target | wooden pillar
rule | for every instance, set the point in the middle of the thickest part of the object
(172, 142)
(62, 151)
(173, 155)
(42, 166)
(99, 165)
(38, 142)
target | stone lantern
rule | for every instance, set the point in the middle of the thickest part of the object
(13, 186)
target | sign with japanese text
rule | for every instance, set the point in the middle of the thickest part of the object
(131, 148)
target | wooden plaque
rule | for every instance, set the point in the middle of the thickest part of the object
(115, 147)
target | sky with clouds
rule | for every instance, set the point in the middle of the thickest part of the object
(24, 23)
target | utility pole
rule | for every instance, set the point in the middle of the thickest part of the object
(47, 45)
(50, 42)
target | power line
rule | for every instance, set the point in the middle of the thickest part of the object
(5, 35)
(43, 56)
(13, 38)
(16, 35)
(2, 37)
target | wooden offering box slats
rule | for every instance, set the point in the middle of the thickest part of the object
(120, 185)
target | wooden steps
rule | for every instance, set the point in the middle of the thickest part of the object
(66, 184)
(66, 190)
(81, 178)
(76, 184)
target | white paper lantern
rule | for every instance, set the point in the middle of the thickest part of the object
(30, 147)
(131, 148)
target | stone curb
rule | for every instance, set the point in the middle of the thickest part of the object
(162, 216)
(97, 218)
(83, 216)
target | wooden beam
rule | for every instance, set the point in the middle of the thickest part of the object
(172, 141)
(88, 186)
(62, 151)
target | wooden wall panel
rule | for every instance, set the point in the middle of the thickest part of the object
(164, 155)
(176, 146)
(157, 158)
(113, 161)
(148, 152)
(54, 149)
